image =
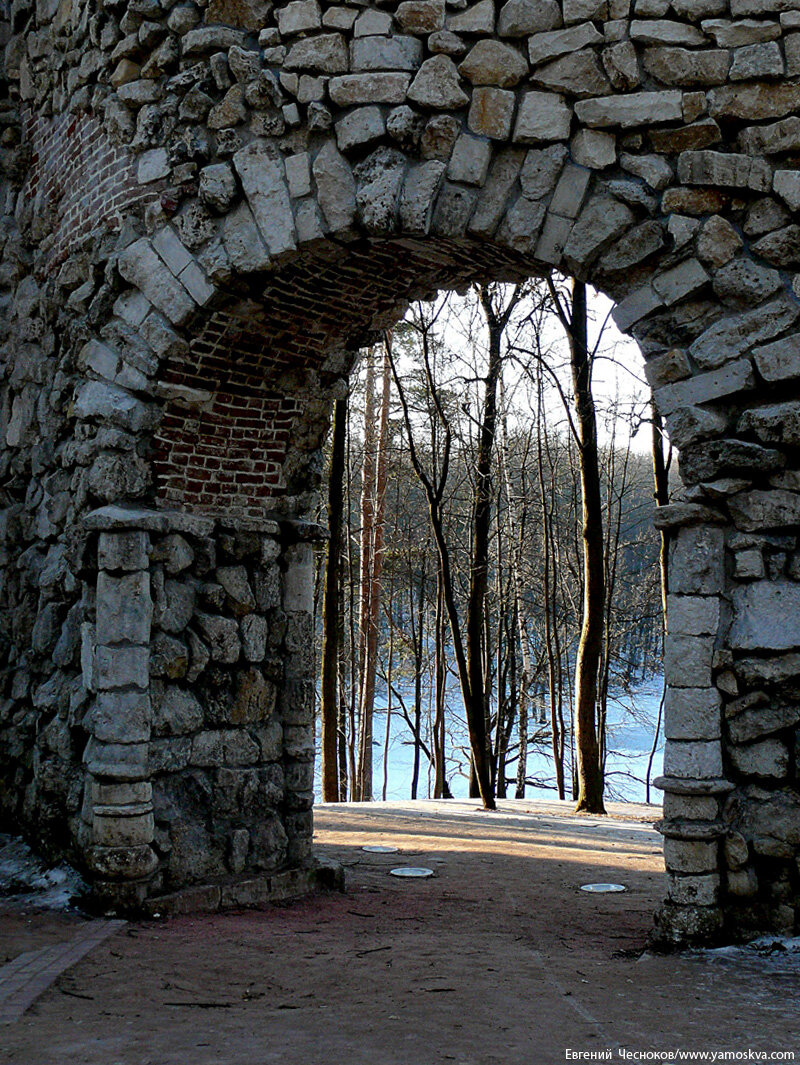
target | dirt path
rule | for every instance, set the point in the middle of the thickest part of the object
(499, 958)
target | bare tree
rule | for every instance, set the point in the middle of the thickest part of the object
(590, 647)
(331, 610)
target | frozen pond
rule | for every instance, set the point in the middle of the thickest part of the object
(632, 718)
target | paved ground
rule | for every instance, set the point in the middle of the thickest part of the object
(499, 958)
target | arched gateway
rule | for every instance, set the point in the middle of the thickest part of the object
(208, 207)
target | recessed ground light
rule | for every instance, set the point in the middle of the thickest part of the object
(378, 848)
(412, 871)
(603, 889)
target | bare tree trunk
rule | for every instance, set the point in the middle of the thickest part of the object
(418, 639)
(516, 503)
(441, 683)
(389, 675)
(373, 501)
(434, 491)
(590, 773)
(331, 610)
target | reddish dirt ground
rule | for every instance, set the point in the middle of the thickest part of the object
(499, 958)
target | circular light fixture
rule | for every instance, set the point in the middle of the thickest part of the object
(379, 848)
(603, 889)
(419, 872)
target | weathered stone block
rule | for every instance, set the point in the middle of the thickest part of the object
(491, 112)
(691, 856)
(176, 712)
(757, 61)
(694, 890)
(127, 551)
(222, 636)
(335, 187)
(766, 616)
(637, 109)
(542, 116)
(692, 713)
(708, 387)
(140, 265)
(386, 53)
(470, 160)
(757, 715)
(543, 47)
(383, 88)
(688, 68)
(437, 85)
(519, 18)
(479, 18)
(124, 608)
(493, 63)
(261, 171)
(420, 16)
(326, 53)
(720, 169)
(687, 661)
(121, 717)
(594, 149)
(299, 16)
(121, 667)
(361, 126)
(697, 561)
(601, 221)
(768, 759)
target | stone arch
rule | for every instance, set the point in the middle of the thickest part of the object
(264, 189)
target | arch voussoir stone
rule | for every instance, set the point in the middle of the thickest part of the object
(204, 219)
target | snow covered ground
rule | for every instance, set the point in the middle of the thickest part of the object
(632, 720)
(26, 880)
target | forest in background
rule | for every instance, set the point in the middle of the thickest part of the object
(482, 491)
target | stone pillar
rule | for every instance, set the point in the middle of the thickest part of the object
(200, 767)
(119, 793)
(299, 691)
(694, 779)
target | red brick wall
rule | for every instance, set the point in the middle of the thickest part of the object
(228, 455)
(79, 175)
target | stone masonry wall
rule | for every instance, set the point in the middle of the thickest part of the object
(207, 207)
(201, 746)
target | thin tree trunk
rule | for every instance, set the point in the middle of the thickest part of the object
(553, 679)
(389, 675)
(434, 494)
(441, 682)
(331, 610)
(479, 554)
(590, 774)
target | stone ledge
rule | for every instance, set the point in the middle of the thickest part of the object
(678, 786)
(683, 828)
(245, 892)
(113, 517)
(675, 515)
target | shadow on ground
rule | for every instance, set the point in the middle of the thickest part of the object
(498, 958)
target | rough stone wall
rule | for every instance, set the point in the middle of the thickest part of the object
(201, 746)
(207, 208)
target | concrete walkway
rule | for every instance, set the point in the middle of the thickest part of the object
(498, 958)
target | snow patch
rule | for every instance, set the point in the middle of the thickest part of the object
(28, 881)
